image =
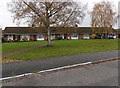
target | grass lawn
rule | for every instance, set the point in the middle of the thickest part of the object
(67, 47)
(8, 47)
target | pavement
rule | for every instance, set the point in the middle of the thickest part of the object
(17, 68)
(104, 74)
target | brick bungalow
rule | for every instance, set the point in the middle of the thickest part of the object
(39, 33)
(117, 32)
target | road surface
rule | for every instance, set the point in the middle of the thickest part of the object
(104, 74)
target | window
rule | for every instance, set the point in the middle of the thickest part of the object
(75, 35)
(40, 36)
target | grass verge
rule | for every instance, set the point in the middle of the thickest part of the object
(13, 46)
(67, 47)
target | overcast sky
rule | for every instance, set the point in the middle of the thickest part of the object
(7, 20)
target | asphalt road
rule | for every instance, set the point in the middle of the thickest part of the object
(105, 74)
(10, 69)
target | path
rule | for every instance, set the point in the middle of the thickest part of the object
(21, 50)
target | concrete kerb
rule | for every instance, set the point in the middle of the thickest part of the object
(57, 69)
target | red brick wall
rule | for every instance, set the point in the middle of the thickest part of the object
(68, 36)
(80, 36)
(45, 37)
(109, 34)
(117, 35)
(31, 37)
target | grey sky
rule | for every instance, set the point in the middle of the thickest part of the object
(7, 20)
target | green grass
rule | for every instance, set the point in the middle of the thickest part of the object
(67, 47)
(36, 71)
(9, 47)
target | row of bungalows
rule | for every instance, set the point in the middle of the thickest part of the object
(117, 33)
(0, 34)
(39, 33)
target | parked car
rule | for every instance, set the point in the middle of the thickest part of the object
(110, 37)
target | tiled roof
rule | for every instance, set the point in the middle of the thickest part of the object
(30, 30)
(84, 30)
(22, 30)
(117, 31)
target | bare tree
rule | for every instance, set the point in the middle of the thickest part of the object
(103, 17)
(47, 14)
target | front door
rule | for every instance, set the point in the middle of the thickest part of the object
(13, 37)
(65, 36)
(118, 35)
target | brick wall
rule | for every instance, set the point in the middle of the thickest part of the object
(80, 36)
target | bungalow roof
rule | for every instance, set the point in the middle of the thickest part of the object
(36, 30)
(22, 30)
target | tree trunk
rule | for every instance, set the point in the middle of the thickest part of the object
(49, 37)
